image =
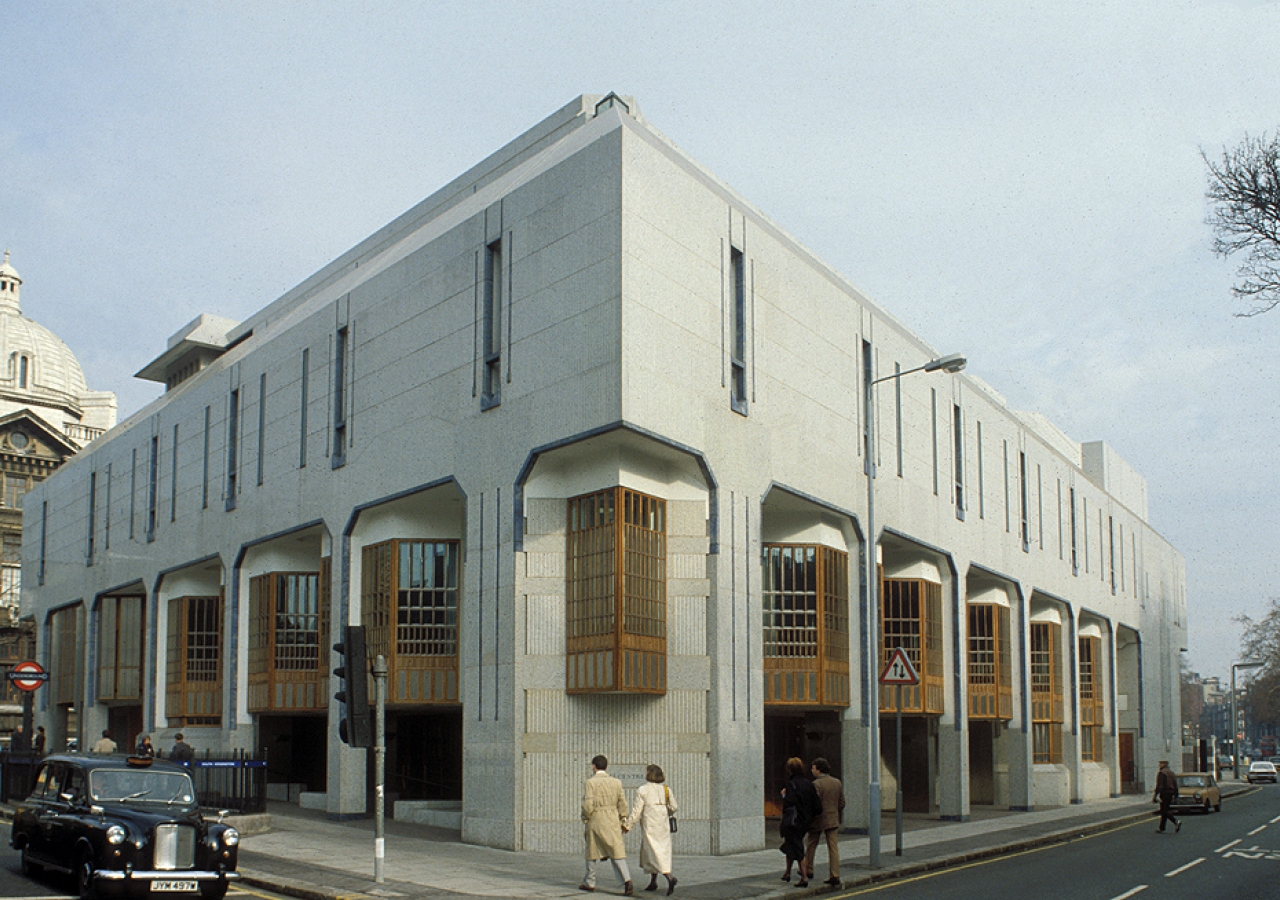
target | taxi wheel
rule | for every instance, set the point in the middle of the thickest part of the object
(1206, 808)
(84, 877)
(29, 867)
(214, 891)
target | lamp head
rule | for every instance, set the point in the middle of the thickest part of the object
(951, 363)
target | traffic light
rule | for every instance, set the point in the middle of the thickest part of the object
(355, 727)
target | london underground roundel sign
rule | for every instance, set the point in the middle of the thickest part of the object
(28, 675)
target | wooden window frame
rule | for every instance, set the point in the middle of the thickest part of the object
(911, 618)
(193, 662)
(1047, 697)
(990, 668)
(1092, 705)
(388, 584)
(121, 653)
(616, 593)
(805, 592)
(295, 684)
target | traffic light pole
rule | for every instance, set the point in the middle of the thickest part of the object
(379, 762)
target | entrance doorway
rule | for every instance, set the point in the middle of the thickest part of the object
(424, 754)
(806, 735)
(919, 752)
(295, 747)
(982, 765)
(125, 724)
(1129, 783)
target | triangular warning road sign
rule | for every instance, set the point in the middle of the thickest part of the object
(899, 669)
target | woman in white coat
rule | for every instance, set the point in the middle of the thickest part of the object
(653, 808)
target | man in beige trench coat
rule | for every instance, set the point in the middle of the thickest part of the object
(604, 810)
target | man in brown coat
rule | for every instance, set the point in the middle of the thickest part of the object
(604, 810)
(827, 822)
(1166, 793)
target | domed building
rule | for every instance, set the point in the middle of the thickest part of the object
(47, 413)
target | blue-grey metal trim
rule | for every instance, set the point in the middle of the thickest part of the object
(517, 499)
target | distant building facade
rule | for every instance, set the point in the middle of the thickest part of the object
(580, 440)
(47, 414)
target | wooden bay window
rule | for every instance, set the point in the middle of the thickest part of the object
(193, 662)
(616, 593)
(990, 664)
(1091, 704)
(409, 607)
(1047, 706)
(806, 625)
(120, 632)
(288, 643)
(911, 618)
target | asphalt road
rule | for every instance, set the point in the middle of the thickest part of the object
(50, 886)
(1232, 854)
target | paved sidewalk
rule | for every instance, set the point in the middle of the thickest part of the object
(307, 855)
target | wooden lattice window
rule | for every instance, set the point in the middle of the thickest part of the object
(1047, 707)
(911, 618)
(65, 654)
(120, 630)
(1091, 702)
(990, 665)
(806, 625)
(616, 593)
(288, 627)
(409, 607)
(193, 657)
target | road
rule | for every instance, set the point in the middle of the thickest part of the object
(1234, 853)
(15, 886)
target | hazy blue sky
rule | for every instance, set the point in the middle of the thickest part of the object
(1020, 181)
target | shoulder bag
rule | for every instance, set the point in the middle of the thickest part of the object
(671, 817)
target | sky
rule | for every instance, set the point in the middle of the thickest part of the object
(1019, 181)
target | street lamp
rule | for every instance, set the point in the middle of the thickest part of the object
(951, 363)
(1235, 733)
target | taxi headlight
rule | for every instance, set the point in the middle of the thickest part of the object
(230, 837)
(115, 834)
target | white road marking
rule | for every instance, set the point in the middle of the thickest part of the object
(1274, 821)
(1227, 846)
(1181, 869)
(1256, 830)
(1139, 889)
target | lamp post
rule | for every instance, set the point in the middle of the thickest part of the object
(1235, 734)
(951, 363)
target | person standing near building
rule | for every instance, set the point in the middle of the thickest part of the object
(40, 741)
(19, 742)
(104, 744)
(181, 752)
(654, 808)
(144, 747)
(604, 813)
(799, 805)
(827, 821)
(1166, 793)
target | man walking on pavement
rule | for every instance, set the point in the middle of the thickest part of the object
(827, 822)
(1166, 792)
(604, 810)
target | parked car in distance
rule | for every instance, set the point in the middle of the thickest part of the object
(1262, 771)
(123, 826)
(1198, 790)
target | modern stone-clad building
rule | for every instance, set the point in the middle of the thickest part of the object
(580, 439)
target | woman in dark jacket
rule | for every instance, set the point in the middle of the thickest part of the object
(799, 802)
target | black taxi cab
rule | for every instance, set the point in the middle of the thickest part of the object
(123, 826)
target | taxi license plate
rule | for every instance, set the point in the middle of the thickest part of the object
(175, 886)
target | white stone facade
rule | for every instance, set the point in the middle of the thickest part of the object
(615, 363)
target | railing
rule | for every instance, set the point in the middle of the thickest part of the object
(234, 781)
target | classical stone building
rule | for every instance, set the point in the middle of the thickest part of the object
(580, 439)
(46, 415)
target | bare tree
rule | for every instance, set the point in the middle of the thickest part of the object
(1261, 641)
(1245, 188)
